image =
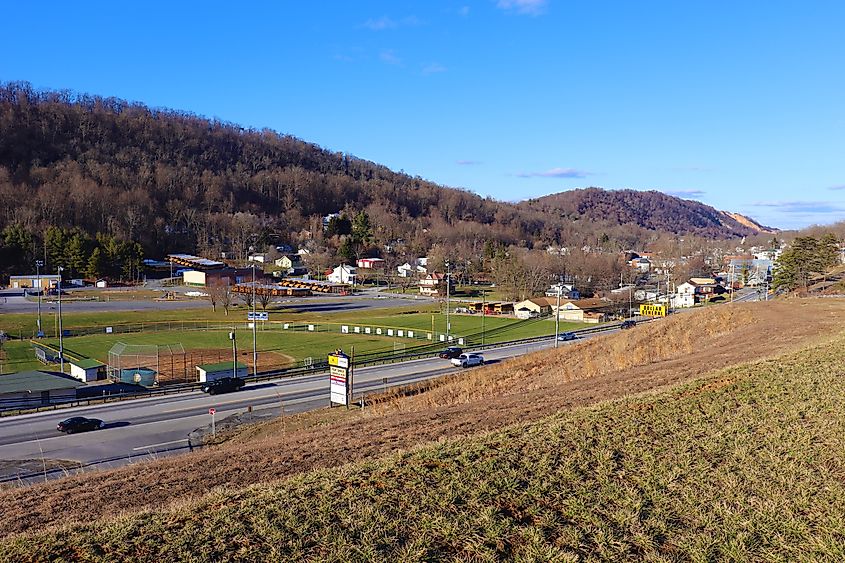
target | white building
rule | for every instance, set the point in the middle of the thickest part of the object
(343, 274)
(210, 372)
(87, 370)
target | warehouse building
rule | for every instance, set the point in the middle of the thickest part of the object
(35, 388)
(44, 281)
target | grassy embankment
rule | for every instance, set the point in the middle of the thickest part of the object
(746, 463)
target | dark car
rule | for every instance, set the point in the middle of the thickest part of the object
(450, 353)
(628, 324)
(223, 385)
(566, 336)
(79, 424)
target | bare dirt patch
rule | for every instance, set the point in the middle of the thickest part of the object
(647, 358)
(180, 368)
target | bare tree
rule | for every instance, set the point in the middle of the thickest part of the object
(226, 296)
(220, 293)
(247, 299)
(264, 299)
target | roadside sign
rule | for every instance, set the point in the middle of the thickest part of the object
(338, 378)
(257, 316)
(211, 411)
(653, 310)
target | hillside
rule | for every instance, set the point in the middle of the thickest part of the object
(174, 181)
(681, 472)
(651, 210)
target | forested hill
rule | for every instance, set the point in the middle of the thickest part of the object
(173, 181)
(651, 210)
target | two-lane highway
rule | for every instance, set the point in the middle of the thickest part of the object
(159, 425)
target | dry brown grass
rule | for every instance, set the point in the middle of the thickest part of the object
(645, 359)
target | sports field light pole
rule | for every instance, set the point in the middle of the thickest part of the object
(61, 341)
(38, 264)
(557, 313)
(254, 322)
(234, 353)
(448, 324)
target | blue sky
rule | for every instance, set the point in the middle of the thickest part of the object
(736, 104)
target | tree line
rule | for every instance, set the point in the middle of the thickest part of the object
(110, 170)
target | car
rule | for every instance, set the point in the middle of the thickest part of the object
(223, 385)
(450, 353)
(468, 360)
(628, 324)
(566, 336)
(79, 424)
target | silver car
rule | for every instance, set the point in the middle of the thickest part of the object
(468, 360)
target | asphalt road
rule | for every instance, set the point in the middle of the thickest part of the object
(14, 303)
(147, 428)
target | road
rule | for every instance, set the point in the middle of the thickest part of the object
(145, 428)
(13, 302)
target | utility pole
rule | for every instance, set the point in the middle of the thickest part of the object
(61, 332)
(38, 264)
(557, 312)
(483, 314)
(733, 281)
(448, 324)
(254, 322)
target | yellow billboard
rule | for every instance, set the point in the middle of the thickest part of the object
(653, 310)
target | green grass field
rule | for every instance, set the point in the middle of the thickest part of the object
(298, 344)
(747, 464)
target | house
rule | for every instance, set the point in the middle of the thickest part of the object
(535, 307)
(582, 310)
(87, 370)
(641, 264)
(567, 291)
(210, 372)
(371, 263)
(343, 274)
(43, 281)
(259, 257)
(435, 285)
(291, 265)
(328, 218)
(36, 388)
(416, 267)
(696, 290)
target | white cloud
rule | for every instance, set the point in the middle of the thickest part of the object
(527, 7)
(389, 56)
(686, 194)
(380, 24)
(433, 68)
(556, 173)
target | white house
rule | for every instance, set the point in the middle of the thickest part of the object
(567, 291)
(409, 269)
(257, 258)
(343, 274)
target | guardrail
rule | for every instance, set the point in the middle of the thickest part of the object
(11, 407)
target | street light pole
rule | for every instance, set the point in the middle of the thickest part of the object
(61, 332)
(38, 264)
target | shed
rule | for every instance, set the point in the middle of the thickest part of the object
(210, 372)
(36, 388)
(101, 283)
(87, 370)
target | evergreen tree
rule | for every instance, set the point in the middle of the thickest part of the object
(95, 265)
